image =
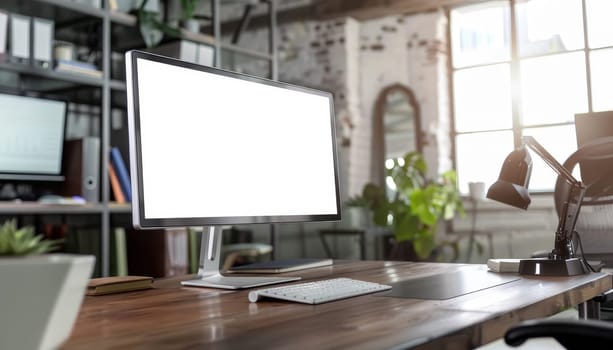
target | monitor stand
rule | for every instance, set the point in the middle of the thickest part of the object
(209, 274)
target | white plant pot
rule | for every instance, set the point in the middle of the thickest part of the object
(40, 298)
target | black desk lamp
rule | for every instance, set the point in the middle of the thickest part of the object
(512, 188)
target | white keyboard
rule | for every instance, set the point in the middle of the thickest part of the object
(319, 291)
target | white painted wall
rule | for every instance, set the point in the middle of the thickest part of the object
(355, 60)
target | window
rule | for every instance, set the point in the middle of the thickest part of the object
(526, 68)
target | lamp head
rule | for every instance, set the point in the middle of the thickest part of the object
(512, 185)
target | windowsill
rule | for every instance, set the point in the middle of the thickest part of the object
(539, 201)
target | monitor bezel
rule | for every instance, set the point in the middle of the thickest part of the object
(40, 176)
(138, 211)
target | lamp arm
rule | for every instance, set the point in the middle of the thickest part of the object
(572, 203)
(550, 160)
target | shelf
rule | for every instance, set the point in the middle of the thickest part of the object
(246, 52)
(120, 208)
(22, 208)
(116, 33)
(123, 18)
(76, 7)
(61, 11)
(50, 74)
(131, 21)
(118, 85)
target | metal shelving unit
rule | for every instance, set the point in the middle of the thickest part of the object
(68, 16)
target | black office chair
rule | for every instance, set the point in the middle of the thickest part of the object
(594, 241)
(570, 333)
(595, 222)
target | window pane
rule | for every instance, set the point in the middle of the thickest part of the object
(602, 79)
(560, 142)
(553, 88)
(480, 34)
(549, 26)
(599, 24)
(480, 156)
(482, 98)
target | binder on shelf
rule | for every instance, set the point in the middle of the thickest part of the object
(81, 167)
(122, 173)
(42, 41)
(206, 55)
(115, 186)
(4, 28)
(19, 39)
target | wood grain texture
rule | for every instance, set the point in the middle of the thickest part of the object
(174, 317)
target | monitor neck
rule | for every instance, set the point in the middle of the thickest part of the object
(210, 251)
(209, 272)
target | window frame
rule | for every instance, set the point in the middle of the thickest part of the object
(517, 128)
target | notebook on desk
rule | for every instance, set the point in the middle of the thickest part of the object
(279, 266)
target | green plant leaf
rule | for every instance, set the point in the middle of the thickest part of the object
(417, 205)
(424, 244)
(406, 226)
(23, 241)
(188, 7)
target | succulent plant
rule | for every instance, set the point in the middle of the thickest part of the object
(23, 241)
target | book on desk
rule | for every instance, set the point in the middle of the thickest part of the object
(280, 266)
(118, 284)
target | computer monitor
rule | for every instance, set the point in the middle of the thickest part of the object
(31, 137)
(210, 147)
(588, 128)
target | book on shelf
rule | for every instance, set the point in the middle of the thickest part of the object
(86, 240)
(115, 186)
(118, 284)
(119, 255)
(122, 173)
(84, 68)
(279, 266)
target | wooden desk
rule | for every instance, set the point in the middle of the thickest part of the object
(174, 317)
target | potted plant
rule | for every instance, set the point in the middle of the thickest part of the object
(413, 206)
(41, 293)
(153, 26)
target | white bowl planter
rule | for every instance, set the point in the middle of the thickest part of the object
(40, 298)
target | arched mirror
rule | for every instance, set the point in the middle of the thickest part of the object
(396, 127)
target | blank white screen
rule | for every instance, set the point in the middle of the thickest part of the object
(215, 146)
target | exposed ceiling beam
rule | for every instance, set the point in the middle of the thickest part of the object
(358, 9)
(367, 9)
(301, 13)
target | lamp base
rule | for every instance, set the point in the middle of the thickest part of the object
(550, 267)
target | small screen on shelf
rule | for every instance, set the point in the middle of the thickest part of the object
(31, 137)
